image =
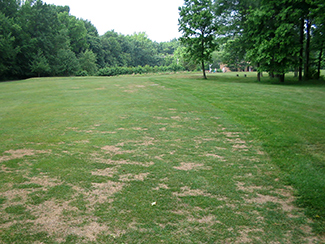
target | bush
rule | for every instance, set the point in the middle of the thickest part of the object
(105, 72)
(175, 67)
(113, 71)
(82, 73)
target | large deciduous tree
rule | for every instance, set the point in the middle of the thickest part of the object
(271, 28)
(276, 35)
(87, 61)
(39, 64)
(8, 47)
(197, 23)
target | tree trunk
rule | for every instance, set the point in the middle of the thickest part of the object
(307, 73)
(258, 72)
(281, 77)
(203, 68)
(319, 62)
(301, 41)
(202, 62)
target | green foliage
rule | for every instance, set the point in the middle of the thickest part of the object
(94, 42)
(114, 71)
(233, 54)
(66, 63)
(272, 35)
(198, 26)
(42, 31)
(82, 73)
(275, 46)
(181, 57)
(35, 37)
(9, 7)
(76, 32)
(40, 65)
(265, 34)
(8, 49)
(87, 61)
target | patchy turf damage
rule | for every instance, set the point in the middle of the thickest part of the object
(210, 181)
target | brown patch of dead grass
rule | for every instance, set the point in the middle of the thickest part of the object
(220, 158)
(123, 162)
(161, 186)
(115, 150)
(132, 177)
(241, 186)
(187, 191)
(109, 172)
(286, 200)
(44, 181)
(190, 166)
(20, 153)
(208, 220)
(51, 218)
(102, 191)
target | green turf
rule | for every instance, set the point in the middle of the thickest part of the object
(162, 158)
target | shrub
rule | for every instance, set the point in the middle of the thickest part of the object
(82, 73)
(113, 71)
(107, 71)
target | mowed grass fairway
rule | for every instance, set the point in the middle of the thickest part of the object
(162, 159)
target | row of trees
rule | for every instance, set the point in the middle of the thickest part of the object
(37, 39)
(275, 36)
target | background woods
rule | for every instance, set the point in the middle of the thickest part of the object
(37, 39)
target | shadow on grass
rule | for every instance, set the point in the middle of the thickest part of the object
(265, 80)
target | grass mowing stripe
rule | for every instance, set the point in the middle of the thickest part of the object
(84, 159)
(289, 121)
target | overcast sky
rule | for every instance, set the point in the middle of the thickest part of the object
(158, 18)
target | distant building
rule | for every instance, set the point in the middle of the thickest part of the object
(224, 68)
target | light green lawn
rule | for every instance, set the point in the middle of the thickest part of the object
(161, 159)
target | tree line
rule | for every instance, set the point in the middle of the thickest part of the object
(38, 39)
(274, 36)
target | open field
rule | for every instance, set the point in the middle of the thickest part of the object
(162, 159)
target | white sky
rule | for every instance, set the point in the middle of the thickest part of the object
(158, 18)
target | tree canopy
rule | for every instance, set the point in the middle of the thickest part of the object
(38, 39)
(275, 36)
(197, 23)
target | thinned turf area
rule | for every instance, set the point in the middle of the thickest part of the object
(162, 159)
